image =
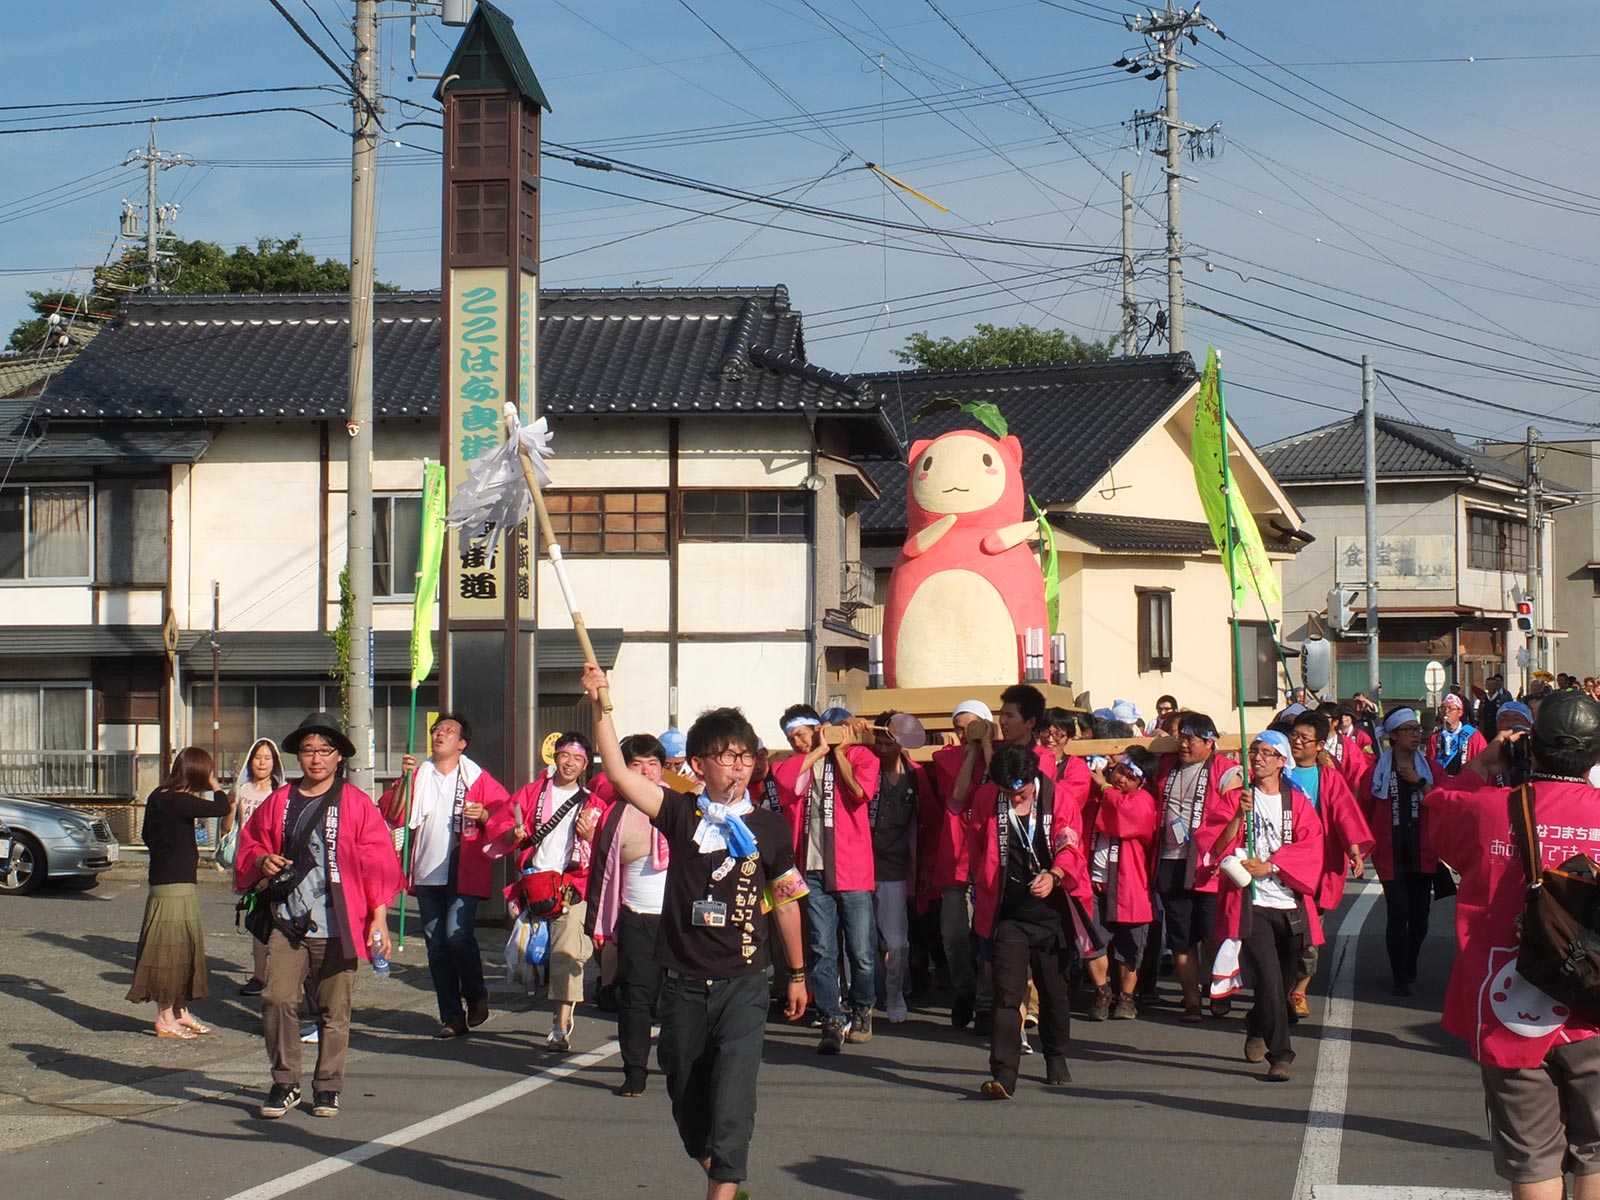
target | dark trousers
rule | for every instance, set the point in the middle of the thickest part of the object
(638, 984)
(291, 969)
(1012, 964)
(1407, 900)
(1271, 954)
(449, 927)
(710, 1050)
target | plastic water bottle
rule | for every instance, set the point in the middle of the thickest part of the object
(380, 960)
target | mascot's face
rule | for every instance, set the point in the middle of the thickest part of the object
(960, 472)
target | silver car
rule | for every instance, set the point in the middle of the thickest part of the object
(40, 840)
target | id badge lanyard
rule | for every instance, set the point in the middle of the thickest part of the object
(1026, 834)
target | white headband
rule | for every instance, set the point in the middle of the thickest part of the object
(1399, 717)
(794, 723)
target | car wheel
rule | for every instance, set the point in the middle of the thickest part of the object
(27, 867)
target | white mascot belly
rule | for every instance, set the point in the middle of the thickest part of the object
(956, 631)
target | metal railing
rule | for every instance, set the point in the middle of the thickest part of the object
(71, 774)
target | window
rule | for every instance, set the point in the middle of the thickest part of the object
(1258, 665)
(130, 532)
(1155, 628)
(44, 717)
(743, 516)
(396, 534)
(609, 523)
(44, 532)
(1497, 543)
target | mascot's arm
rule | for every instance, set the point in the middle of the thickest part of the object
(1004, 539)
(924, 541)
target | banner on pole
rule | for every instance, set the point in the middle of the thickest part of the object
(429, 554)
(1252, 572)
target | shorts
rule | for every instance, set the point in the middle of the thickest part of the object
(1190, 914)
(1544, 1121)
(1124, 939)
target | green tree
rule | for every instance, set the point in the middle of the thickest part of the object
(271, 265)
(1000, 346)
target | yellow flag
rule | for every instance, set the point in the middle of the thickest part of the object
(1247, 562)
(429, 554)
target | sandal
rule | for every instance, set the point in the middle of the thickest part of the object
(195, 1027)
(179, 1033)
(1192, 1014)
(1221, 1006)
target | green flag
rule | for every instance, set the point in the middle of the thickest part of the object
(1247, 564)
(1050, 564)
(429, 554)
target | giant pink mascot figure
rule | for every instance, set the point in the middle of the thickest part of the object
(966, 585)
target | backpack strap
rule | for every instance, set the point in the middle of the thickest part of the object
(1525, 830)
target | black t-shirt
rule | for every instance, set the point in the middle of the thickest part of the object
(891, 833)
(738, 947)
(1023, 916)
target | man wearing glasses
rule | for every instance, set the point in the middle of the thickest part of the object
(323, 855)
(729, 865)
(1186, 784)
(1271, 835)
(824, 791)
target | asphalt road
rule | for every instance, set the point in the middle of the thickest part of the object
(89, 1101)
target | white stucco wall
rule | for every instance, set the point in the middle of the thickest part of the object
(763, 678)
(744, 587)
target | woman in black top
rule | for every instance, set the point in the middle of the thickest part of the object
(171, 964)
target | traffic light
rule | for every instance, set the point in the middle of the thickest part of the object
(1525, 616)
(1340, 618)
(1316, 665)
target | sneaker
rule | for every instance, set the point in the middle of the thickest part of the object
(558, 1039)
(860, 1027)
(897, 1011)
(478, 1011)
(309, 1034)
(961, 1012)
(1056, 1073)
(252, 987)
(983, 1024)
(1126, 1009)
(1027, 1046)
(832, 1037)
(1255, 1049)
(453, 1029)
(324, 1104)
(605, 998)
(1100, 1010)
(280, 1100)
(993, 1089)
(1402, 987)
(1278, 1073)
(1031, 1021)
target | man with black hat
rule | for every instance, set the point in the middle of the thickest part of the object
(1185, 784)
(1540, 1060)
(324, 857)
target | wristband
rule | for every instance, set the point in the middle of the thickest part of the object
(797, 975)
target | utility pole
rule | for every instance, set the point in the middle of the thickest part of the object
(156, 215)
(1535, 558)
(1130, 306)
(1164, 36)
(216, 676)
(358, 493)
(1369, 467)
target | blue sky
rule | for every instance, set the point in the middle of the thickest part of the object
(1440, 219)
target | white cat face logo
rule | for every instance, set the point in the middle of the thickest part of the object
(1522, 1008)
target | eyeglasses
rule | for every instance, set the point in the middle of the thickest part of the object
(734, 758)
(1263, 752)
(1302, 739)
(317, 751)
(1412, 728)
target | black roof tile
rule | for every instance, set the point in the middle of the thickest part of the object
(1073, 419)
(1335, 452)
(1147, 535)
(668, 350)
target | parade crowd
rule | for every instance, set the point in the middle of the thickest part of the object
(1015, 872)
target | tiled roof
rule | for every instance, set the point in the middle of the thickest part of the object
(1144, 535)
(1073, 420)
(24, 441)
(1334, 452)
(668, 350)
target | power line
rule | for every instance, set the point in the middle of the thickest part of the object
(241, 112)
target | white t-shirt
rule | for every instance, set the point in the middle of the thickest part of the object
(643, 887)
(432, 808)
(1271, 892)
(555, 852)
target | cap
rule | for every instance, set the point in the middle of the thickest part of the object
(976, 707)
(1568, 722)
(835, 715)
(675, 743)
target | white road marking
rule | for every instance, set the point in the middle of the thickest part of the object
(1366, 1191)
(305, 1176)
(1319, 1152)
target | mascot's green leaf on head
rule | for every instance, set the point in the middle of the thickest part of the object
(966, 585)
